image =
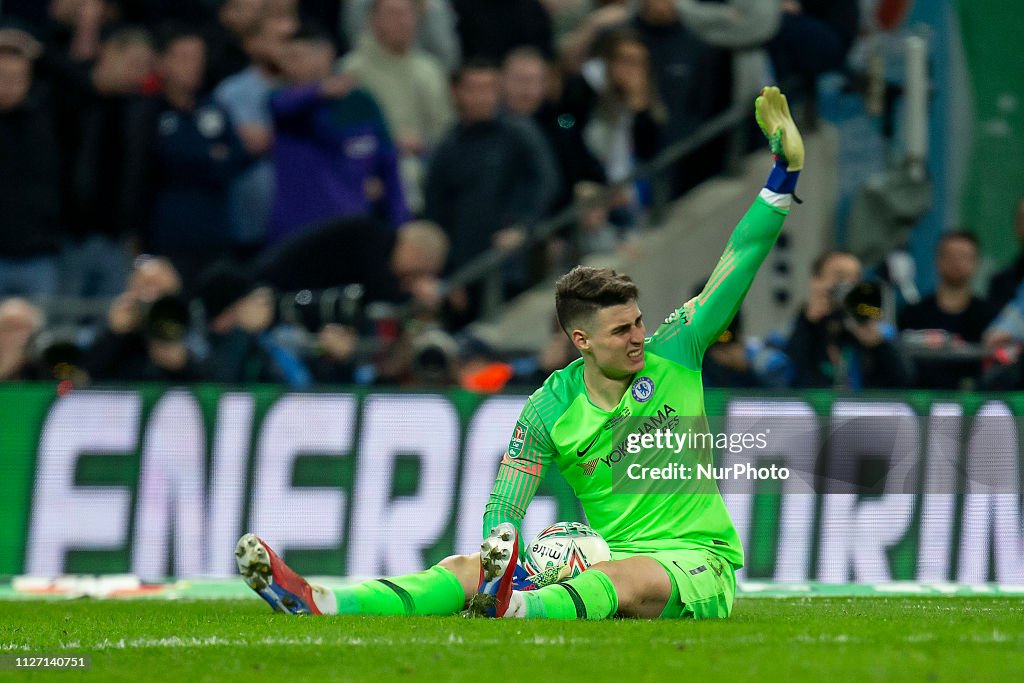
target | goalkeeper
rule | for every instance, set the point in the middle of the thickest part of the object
(672, 556)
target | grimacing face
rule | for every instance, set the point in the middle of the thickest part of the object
(614, 339)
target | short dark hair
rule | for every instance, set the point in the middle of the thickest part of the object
(524, 52)
(818, 266)
(957, 235)
(473, 64)
(581, 292)
(312, 32)
(169, 33)
(120, 37)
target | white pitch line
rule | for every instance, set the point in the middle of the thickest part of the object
(217, 641)
(177, 642)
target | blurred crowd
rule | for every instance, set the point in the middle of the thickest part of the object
(279, 190)
(854, 333)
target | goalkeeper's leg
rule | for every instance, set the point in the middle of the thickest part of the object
(687, 583)
(633, 587)
(670, 584)
(443, 589)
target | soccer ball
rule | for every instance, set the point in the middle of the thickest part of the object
(562, 551)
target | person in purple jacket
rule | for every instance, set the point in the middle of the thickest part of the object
(333, 154)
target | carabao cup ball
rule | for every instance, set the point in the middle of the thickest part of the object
(562, 551)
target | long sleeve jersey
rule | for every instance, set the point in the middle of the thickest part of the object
(560, 426)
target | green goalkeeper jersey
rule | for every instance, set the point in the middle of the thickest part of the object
(560, 425)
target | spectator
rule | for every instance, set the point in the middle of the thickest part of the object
(830, 349)
(527, 81)
(73, 27)
(626, 120)
(694, 80)
(410, 85)
(744, 27)
(19, 321)
(1007, 329)
(1004, 340)
(576, 45)
(736, 24)
(1003, 285)
(596, 234)
(168, 356)
(246, 97)
(558, 351)
(739, 362)
(157, 351)
(479, 367)
(333, 153)
(196, 157)
(568, 15)
(417, 262)
(119, 352)
(30, 199)
(227, 56)
(104, 134)
(239, 314)
(348, 251)
(814, 37)
(492, 177)
(402, 266)
(490, 30)
(953, 306)
(435, 32)
(334, 357)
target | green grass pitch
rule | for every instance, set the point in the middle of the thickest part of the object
(819, 639)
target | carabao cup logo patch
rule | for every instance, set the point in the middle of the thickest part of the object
(643, 389)
(515, 445)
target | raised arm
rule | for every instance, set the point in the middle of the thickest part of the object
(699, 322)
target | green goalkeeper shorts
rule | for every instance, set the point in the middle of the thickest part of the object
(703, 584)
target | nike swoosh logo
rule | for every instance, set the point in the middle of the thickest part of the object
(581, 452)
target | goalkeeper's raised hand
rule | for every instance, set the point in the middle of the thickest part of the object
(772, 112)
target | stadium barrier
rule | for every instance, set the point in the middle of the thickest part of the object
(159, 482)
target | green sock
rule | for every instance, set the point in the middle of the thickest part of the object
(435, 591)
(590, 595)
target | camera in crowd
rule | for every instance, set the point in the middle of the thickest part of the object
(861, 301)
(54, 355)
(435, 358)
(167, 319)
(312, 309)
